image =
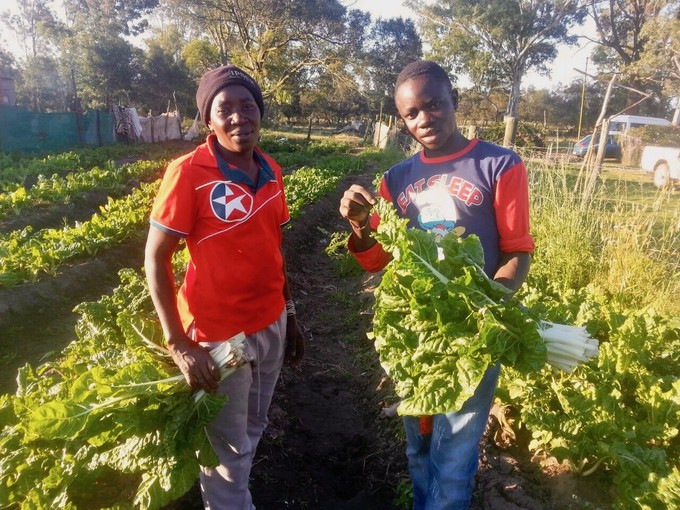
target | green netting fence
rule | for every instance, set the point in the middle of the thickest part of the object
(22, 130)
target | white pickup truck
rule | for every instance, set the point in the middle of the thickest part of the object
(664, 162)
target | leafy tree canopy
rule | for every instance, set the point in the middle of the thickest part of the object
(124, 17)
(659, 61)
(274, 40)
(392, 43)
(496, 42)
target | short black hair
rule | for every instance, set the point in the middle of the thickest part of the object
(423, 68)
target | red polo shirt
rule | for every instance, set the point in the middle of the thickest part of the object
(234, 279)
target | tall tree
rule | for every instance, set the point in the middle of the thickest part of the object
(199, 56)
(659, 61)
(39, 83)
(620, 37)
(95, 51)
(41, 86)
(163, 74)
(498, 41)
(274, 40)
(106, 68)
(33, 25)
(391, 44)
(7, 64)
(124, 17)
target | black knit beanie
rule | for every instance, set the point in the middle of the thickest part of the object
(215, 80)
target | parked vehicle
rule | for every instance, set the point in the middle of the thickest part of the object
(623, 123)
(611, 150)
(663, 163)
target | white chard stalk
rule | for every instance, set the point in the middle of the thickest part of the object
(568, 346)
(228, 356)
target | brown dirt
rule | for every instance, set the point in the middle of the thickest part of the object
(328, 446)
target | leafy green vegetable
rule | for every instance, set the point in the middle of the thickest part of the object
(440, 322)
(112, 406)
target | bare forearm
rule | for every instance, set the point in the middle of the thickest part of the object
(162, 289)
(362, 235)
(513, 269)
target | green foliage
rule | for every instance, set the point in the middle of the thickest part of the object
(611, 268)
(440, 322)
(666, 136)
(496, 41)
(624, 242)
(15, 169)
(527, 135)
(112, 409)
(337, 251)
(307, 185)
(619, 412)
(404, 495)
(27, 255)
(58, 189)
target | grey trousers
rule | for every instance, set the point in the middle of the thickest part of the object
(237, 429)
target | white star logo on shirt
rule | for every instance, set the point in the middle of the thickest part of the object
(235, 204)
(228, 200)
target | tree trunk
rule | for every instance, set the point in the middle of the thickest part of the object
(513, 99)
(510, 131)
(511, 112)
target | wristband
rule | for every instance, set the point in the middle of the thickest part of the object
(290, 307)
(366, 224)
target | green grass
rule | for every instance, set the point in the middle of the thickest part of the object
(624, 241)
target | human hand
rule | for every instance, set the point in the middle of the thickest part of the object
(196, 363)
(295, 343)
(356, 204)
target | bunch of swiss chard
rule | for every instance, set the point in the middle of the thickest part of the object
(111, 423)
(440, 322)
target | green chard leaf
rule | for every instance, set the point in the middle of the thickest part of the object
(440, 322)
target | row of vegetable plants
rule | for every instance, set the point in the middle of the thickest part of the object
(15, 169)
(26, 255)
(611, 267)
(109, 411)
(617, 414)
(45, 191)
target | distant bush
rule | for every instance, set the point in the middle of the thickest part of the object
(527, 135)
(657, 135)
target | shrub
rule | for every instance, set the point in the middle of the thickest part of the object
(527, 135)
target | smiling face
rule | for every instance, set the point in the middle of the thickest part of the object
(235, 119)
(428, 107)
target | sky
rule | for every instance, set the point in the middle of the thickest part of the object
(561, 70)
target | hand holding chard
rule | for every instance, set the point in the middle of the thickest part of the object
(111, 410)
(440, 322)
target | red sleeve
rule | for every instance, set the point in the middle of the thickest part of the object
(173, 209)
(512, 210)
(372, 260)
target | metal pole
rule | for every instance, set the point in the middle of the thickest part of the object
(583, 96)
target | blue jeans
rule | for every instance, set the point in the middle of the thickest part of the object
(443, 464)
